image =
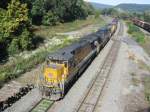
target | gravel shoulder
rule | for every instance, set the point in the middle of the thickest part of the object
(125, 90)
(26, 103)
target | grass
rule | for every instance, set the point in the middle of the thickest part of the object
(146, 80)
(146, 45)
(21, 65)
(47, 31)
(143, 41)
(135, 80)
(144, 66)
(136, 33)
(139, 36)
(147, 88)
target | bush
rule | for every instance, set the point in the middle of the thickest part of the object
(25, 40)
(136, 33)
(37, 11)
(140, 38)
(133, 28)
(147, 88)
(14, 24)
(13, 47)
(50, 18)
(97, 14)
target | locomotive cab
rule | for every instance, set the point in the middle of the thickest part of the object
(55, 72)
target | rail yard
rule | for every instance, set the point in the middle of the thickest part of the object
(142, 24)
(97, 43)
(87, 98)
(74, 56)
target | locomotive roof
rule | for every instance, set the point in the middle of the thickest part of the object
(90, 38)
(103, 29)
(66, 53)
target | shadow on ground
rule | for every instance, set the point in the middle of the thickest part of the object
(144, 110)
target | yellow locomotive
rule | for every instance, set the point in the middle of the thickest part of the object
(68, 63)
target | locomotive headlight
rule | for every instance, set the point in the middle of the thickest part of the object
(63, 76)
(50, 75)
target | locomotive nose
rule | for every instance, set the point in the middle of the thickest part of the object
(53, 73)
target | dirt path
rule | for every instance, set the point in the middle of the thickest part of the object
(86, 30)
(81, 32)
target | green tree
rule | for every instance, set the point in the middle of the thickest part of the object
(16, 15)
(50, 19)
(14, 27)
(46, 11)
(38, 12)
(25, 40)
(97, 13)
(146, 16)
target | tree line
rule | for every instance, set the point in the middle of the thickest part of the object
(145, 16)
(17, 17)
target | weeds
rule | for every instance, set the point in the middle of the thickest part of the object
(146, 80)
(147, 88)
(22, 65)
(48, 32)
(136, 33)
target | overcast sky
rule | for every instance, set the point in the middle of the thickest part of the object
(115, 2)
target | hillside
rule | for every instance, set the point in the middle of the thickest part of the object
(133, 7)
(100, 6)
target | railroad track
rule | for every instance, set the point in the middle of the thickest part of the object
(120, 33)
(42, 106)
(15, 92)
(91, 101)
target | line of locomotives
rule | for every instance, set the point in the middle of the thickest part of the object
(142, 24)
(68, 63)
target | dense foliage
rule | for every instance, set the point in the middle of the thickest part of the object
(144, 16)
(122, 14)
(51, 12)
(17, 16)
(134, 7)
(14, 30)
(110, 11)
(17, 23)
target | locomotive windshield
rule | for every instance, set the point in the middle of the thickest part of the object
(50, 63)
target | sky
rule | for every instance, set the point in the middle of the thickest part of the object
(115, 2)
